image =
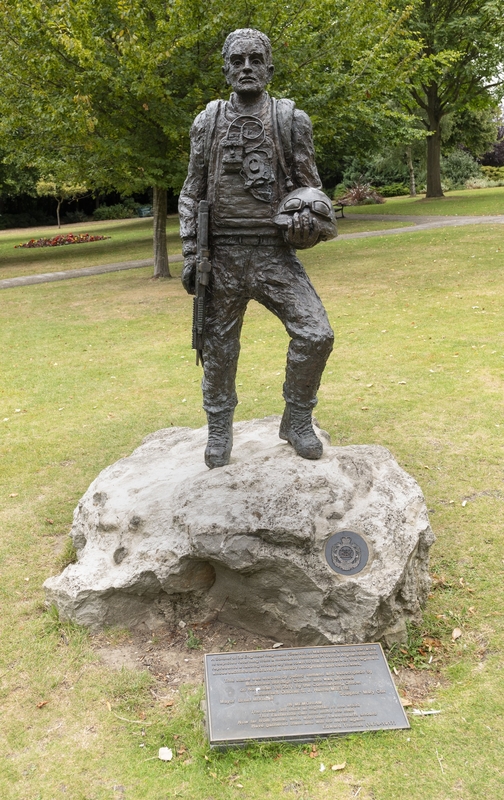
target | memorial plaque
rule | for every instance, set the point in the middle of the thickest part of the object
(299, 694)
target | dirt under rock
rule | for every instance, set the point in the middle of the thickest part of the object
(174, 655)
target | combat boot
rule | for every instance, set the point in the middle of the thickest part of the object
(297, 429)
(220, 439)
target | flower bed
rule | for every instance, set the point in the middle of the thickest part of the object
(61, 239)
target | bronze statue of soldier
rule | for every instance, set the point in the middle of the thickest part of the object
(253, 165)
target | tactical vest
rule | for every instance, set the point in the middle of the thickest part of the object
(249, 162)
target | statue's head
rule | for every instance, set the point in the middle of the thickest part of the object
(247, 61)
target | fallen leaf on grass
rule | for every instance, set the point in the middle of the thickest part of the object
(431, 641)
(314, 752)
(169, 703)
(14, 494)
(42, 703)
(50, 521)
(109, 706)
(405, 702)
(337, 767)
(456, 634)
(165, 754)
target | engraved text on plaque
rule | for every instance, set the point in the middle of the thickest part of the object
(299, 694)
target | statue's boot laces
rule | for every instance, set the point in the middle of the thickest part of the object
(220, 439)
(297, 429)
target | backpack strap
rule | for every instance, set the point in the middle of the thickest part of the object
(211, 113)
(283, 115)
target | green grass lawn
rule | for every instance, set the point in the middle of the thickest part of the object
(358, 226)
(130, 240)
(470, 202)
(91, 366)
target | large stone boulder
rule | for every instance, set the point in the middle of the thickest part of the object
(310, 552)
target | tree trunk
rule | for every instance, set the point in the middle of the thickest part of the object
(411, 168)
(434, 113)
(161, 265)
(58, 206)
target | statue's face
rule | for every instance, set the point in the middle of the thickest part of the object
(247, 69)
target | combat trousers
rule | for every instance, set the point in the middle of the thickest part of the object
(274, 277)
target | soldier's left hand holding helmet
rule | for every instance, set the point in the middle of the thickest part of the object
(306, 217)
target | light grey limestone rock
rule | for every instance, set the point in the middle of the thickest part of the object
(161, 538)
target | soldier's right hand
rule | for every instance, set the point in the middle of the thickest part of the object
(304, 230)
(188, 276)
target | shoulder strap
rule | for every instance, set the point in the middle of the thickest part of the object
(283, 114)
(211, 113)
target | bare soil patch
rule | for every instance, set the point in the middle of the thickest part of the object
(174, 655)
(417, 685)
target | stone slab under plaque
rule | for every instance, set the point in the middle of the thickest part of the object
(299, 694)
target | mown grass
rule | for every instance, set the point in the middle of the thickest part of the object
(91, 366)
(471, 202)
(359, 226)
(130, 240)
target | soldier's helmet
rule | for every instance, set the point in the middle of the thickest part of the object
(318, 205)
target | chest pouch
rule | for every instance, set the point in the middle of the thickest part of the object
(247, 149)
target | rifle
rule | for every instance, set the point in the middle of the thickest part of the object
(203, 269)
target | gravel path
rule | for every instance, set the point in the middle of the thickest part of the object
(418, 224)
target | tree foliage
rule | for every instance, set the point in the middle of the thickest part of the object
(111, 87)
(459, 69)
(60, 190)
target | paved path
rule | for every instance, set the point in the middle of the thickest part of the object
(419, 224)
(47, 277)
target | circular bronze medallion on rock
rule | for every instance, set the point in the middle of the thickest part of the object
(347, 553)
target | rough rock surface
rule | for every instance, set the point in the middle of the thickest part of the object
(161, 538)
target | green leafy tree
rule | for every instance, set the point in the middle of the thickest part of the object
(460, 61)
(61, 191)
(474, 130)
(112, 87)
(15, 180)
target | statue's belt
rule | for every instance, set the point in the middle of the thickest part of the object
(249, 240)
